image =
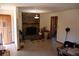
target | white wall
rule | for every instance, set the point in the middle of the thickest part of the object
(19, 24)
(69, 18)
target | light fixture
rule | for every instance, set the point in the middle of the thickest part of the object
(36, 16)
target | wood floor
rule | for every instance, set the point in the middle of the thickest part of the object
(36, 48)
(39, 48)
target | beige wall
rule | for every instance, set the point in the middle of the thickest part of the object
(19, 17)
(45, 21)
(69, 18)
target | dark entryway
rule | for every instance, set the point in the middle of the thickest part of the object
(53, 27)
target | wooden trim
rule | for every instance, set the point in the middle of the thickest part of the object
(5, 15)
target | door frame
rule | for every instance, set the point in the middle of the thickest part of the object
(55, 25)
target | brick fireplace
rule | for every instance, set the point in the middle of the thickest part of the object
(30, 25)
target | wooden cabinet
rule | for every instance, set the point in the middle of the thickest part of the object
(5, 28)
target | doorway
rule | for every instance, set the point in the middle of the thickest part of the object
(5, 29)
(53, 27)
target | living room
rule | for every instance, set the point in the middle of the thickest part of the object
(67, 17)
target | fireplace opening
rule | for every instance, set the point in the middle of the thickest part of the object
(31, 31)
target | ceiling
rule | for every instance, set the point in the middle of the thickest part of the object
(43, 7)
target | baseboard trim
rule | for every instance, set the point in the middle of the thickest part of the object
(59, 42)
(9, 43)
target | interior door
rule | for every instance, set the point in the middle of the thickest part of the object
(6, 29)
(53, 28)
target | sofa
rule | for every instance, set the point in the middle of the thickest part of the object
(68, 49)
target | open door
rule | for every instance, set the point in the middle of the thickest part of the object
(53, 27)
(5, 29)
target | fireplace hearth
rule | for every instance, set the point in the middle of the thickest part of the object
(30, 33)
